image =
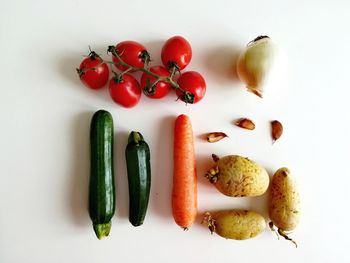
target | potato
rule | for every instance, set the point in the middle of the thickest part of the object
(237, 176)
(284, 203)
(235, 224)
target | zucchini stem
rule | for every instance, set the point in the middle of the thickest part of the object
(135, 137)
(102, 230)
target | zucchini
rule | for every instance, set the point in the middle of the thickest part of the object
(101, 186)
(137, 156)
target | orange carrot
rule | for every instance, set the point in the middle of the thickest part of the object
(184, 194)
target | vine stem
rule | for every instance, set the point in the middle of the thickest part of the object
(187, 96)
(169, 79)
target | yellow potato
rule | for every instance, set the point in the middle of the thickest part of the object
(238, 176)
(235, 224)
(284, 203)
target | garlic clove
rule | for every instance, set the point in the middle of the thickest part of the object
(277, 130)
(245, 124)
(216, 136)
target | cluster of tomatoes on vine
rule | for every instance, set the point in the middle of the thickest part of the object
(156, 81)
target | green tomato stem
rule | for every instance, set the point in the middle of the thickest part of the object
(188, 97)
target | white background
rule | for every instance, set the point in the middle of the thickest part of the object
(46, 112)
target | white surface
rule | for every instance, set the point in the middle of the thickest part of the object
(45, 117)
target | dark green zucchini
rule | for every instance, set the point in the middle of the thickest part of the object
(137, 155)
(101, 187)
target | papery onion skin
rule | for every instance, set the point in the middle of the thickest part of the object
(256, 64)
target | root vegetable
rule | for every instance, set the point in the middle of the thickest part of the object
(284, 203)
(238, 176)
(235, 224)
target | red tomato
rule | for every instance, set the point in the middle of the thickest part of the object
(132, 53)
(92, 73)
(192, 82)
(127, 92)
(176, 52)
(162, 88)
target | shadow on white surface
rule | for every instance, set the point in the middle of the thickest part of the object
(79, 178)
(121, 179)
(220, 63)
(162, 174)
(258, 204)
(67, 65)
(154, 47)
(204, 163)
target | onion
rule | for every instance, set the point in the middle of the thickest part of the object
(257, 63)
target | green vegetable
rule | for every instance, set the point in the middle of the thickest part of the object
(101, 188)
(137, 155)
